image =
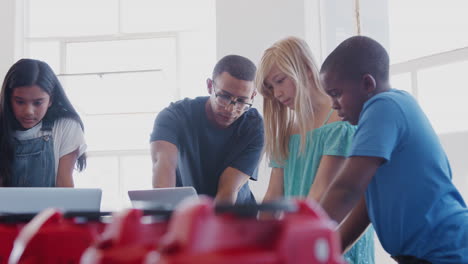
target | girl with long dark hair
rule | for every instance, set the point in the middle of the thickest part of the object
(41, 134)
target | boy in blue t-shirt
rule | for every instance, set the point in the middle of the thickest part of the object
(397, 176)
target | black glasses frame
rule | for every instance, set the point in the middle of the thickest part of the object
(247, 106)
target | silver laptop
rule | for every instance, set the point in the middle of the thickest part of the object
(161, 197)
(34, 200)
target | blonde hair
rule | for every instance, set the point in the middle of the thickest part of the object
(294, 58)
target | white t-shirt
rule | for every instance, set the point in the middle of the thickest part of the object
(67, 137)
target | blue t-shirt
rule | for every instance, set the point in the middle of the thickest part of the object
(205, 151)
(412, 203)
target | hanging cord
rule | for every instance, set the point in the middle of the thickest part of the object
(358, 17)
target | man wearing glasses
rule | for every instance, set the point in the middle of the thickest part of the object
(212, 143)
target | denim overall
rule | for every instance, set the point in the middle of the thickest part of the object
(34, 162)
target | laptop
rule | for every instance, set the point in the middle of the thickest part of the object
(161, 197)
(33, 200)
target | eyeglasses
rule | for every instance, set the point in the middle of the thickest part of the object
(225, 100)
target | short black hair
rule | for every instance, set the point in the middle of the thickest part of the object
(357, 56)
(237, 66)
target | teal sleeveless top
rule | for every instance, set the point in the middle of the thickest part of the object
(333, 139)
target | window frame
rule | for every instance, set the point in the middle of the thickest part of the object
(24, 41)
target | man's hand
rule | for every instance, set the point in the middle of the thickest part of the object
(230, 182)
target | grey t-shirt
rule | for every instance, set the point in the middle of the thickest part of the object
(205, 150)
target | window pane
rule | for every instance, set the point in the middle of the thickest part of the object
(166, 15)
(119, 93)
(48, 52)
(197, 51)
(443, 97)
(125, 55)
(136, 174)
(420, 27)
(401, 82)
(118, 132)
(101, 172)
(48, 18)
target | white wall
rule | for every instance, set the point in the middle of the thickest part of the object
(7, 36)
(248, 27)
(456, 147)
